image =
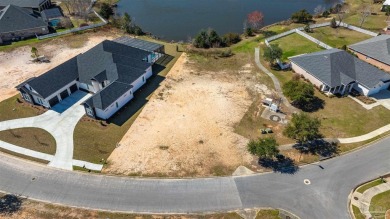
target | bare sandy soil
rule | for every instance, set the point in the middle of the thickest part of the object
(16, 67)
(186, 129)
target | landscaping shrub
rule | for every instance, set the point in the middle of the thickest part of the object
(230, 39)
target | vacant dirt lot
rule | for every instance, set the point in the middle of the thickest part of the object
(186, 129)
(16, 66)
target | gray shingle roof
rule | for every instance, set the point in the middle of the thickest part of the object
(22, 3)
(377, 48)
(128, 74)
(107, 96)
(14, 18)
(104, 57)
(335, 67)
(56, 78)
(140, 44)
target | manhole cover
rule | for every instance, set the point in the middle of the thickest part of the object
(306, 181)
(275, 118)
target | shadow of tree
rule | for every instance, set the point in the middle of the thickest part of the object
(319, 147)
(310, 106)
(282, 164)
(10, 204)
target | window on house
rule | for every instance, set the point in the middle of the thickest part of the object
(116, 104)
(143, 78)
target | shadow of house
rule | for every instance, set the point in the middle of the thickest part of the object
(141, 96)
(139, 101)
(10, 204)
(282, 164)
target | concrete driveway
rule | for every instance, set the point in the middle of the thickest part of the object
(60, 122)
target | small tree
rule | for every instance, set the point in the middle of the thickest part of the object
(126, 22)
(263, 147)
(248, 32)
(201, 40)
(213, 38)
(326, 14)
(333, 23)
(34, 52)
(301, 16)
(303, 128)
(342, 11)
(106, 10)
(255, 20)
(272, 53)
(299, 92)
(365, 11)
(307, 28)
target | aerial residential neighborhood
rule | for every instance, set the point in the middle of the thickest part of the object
(181, 109)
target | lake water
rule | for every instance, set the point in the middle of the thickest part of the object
(181, 19)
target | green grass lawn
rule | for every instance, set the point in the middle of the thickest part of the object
(31, 138)
(373, 22)
(94, 142)
(343, 117)
(369, 185)
(268, 214)
(379, 204)
(357, 213)
(11, 108)
(295, 44)
(337, 37)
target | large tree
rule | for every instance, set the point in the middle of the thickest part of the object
(263, 147)
(106, 10)
(255, 19)
(303, 128)
(301, 16)
(299, 92)
(272, 53)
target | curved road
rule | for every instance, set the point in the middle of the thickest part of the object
(325, 197)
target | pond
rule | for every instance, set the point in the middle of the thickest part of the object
(180, 19)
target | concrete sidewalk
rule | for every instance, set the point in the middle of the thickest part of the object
(364, 199)
(365, 137)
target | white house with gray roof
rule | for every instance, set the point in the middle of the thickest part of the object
(375, 51)
(112, 71)
(336, 71)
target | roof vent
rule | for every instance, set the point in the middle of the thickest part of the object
(326, 57)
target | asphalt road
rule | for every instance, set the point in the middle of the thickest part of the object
(325, 197)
